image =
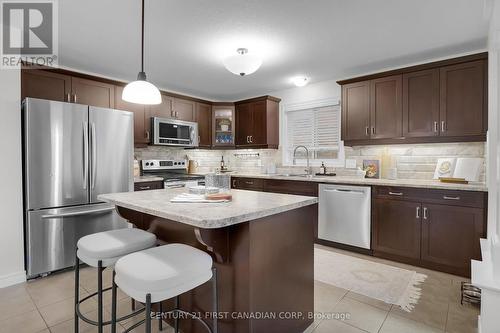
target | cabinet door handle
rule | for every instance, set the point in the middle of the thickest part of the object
(425, 213)
(367, 131)
(68, 97)
(147, 135)
(396, 193)
(234, 183)
(248, 138)
(74, 98)
(445, 197)
(443, 126)
(373, 130)
(251, 138)
(144, 187)
(249, 183)
(436, 128)
(418, 212)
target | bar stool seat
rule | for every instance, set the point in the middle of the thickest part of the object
(164, 272)
(101, 250)
(109, 246)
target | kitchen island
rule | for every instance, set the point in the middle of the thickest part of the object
(262, 245)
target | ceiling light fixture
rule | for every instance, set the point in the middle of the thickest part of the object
(242, 63)
(300, 81)
(141, 91)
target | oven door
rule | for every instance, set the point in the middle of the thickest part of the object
(170, 132)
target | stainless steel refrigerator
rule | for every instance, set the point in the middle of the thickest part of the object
(72, 153)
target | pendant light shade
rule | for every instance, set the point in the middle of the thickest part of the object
(242, 63)
(141, 91)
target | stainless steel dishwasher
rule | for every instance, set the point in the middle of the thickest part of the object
(344, 214)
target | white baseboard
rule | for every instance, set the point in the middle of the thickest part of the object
(12, 279)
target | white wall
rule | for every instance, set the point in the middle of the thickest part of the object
(11, 208)
(313, 91)
(494, 123)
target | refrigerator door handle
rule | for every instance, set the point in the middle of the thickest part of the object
(78, 213)
(85, 154)
(94, 156)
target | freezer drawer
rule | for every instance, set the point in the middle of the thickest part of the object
(52, 234)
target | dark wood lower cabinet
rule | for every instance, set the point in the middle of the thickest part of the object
(450, 237)
(396, 227)
(433, 228)
(437, 229)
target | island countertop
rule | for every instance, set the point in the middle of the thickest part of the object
(245, 206)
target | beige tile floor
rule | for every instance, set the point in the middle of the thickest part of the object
(46, 305)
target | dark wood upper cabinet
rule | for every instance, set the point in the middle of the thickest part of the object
(163, 110)
(356, 111)
(184, 109)
(450, 236)
(386, 107)
(94, 93)
(244, 124)
(396, 227)
(463, 99)
(444, 101)
(45, 85)
(257, 123)
(259, 130)
(204, 120)
(421, 103)
(141, 128)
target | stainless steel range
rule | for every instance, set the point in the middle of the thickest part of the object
(173, 172)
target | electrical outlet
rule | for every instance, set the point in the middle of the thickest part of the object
(350, 164)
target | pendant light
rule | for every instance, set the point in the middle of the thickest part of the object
(141, 91)
(242, 63)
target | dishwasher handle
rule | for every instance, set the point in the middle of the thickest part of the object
(344, 191)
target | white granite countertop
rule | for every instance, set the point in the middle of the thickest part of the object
(246, 206)
(143, 179)
(432, 184)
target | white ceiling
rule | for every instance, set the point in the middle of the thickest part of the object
(186, 40)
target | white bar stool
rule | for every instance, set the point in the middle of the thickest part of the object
(101, 250)
(164, 272)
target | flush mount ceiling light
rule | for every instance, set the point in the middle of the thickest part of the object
(242, 63)
(141, 91)
(300, 81)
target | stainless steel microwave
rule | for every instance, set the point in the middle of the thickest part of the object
(173, 132)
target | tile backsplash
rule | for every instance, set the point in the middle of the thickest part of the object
(416, 161)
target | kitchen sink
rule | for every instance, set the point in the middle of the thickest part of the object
(293, 175)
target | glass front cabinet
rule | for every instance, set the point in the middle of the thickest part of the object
(223, 125)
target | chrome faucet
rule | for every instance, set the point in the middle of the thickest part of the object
(308, 170)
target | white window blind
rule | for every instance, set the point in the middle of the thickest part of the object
(316, 128)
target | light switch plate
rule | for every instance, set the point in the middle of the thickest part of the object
(350, 164)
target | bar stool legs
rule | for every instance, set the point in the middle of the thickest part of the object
(99, 296)
(77, 290)
(148, 313)
(176, 316)
(113, 304)
(215, 301)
